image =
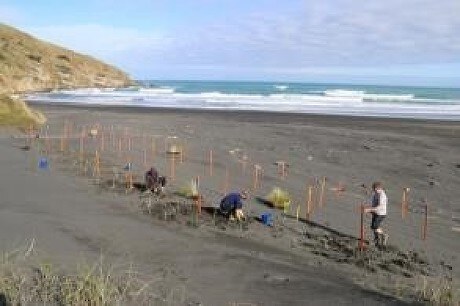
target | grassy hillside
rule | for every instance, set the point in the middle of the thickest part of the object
(29, 64)
(14, 112)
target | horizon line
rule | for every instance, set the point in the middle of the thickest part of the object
(295, 82)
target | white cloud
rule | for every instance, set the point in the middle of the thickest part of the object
(105, 42)
(304, 37)
(345, 32)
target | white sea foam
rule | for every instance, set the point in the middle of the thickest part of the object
(340, 102)
(360, 94)
(158, 90)
(281, 87)
(344, 93)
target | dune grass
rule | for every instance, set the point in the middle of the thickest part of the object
(16, 113)
(23, 281)
(438, 291)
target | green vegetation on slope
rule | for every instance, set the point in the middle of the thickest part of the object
(29, 64)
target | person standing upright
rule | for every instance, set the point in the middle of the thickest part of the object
(378, 209)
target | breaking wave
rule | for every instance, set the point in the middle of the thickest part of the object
(279, 99)
(360, 94)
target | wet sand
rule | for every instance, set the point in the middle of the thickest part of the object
(294, 262)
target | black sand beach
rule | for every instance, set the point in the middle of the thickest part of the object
(72, 217)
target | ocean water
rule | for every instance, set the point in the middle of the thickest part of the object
(333, 99)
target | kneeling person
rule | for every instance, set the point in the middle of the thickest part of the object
(154, 182)
(231, 206)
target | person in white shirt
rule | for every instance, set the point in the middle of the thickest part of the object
(378, 209)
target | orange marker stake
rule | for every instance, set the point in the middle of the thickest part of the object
(404, 202)
(315, 198)
(129, 181)
(172, 168)
(112, 137)
(322, 195)
(67, 135)
(62, 143)
(120, 146)
(198, 203)
(102, 141)
(49, 145)
(339, 189)
(144, 141)
(96, 169)
(82, 150)
(282, 169)
(82, 144)
(361, 231)
(256, 176)
(254, 179)
(129, 143)
(125, 137)
(309, 202)
(129, 175)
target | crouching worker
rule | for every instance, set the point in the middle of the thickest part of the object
(378, 209)
(154, 182)
(231, 206)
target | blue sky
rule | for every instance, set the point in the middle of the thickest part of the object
(407, 42)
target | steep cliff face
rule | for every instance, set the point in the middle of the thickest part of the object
(29, 64)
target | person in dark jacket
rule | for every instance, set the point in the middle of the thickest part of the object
(231, 206)
(153, 181)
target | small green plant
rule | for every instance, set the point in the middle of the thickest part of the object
(189, 190)
(279, 198)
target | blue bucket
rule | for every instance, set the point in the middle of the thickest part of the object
(43, 163)
(266, 218)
